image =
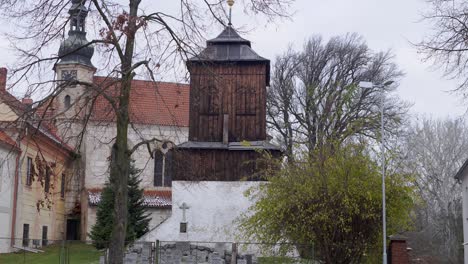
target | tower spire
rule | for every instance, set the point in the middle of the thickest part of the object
(76, 48)
(230, 4)
(78, 13)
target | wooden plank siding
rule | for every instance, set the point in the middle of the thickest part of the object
(235, 89)
(216, 165)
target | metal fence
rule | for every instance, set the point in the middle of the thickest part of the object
(46, 251)
(235, 253)
(42, 251)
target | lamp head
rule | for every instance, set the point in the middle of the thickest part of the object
(366, 85)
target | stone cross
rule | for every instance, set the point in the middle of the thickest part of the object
(184, 207)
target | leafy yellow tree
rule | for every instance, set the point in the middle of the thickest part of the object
(329, 204)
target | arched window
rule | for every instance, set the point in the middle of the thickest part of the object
(67, 101)
(163, 168)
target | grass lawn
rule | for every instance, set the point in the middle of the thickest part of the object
(78, 253)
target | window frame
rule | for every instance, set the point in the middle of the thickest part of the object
(47, 179)
(29, 166)
(62, 186)
(25, 241)
(45, 231)
(67, 101)
(163, 169)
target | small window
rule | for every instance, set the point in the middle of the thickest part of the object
(183, 227)
(47, 180)
(62, 186)
(29, 170)
(44, 235)
(67, 101)
(25, 235)
(163, 168)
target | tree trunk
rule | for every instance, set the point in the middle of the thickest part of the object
(120, 164)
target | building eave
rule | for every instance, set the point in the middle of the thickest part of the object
(459, 175)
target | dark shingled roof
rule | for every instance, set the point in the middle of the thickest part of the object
(228, 47)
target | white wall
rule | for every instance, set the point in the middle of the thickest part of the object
(214, 209)
(7, 174)
(99, 140)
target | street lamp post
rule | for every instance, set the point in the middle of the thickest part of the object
(369, 85)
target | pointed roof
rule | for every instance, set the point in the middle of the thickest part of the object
(228, 46)
(229, 35)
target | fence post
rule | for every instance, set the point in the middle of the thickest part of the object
(156, 253)
(62, 253)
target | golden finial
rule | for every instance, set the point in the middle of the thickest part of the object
(230, 4)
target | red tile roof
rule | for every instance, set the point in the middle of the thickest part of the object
(151, 198)
(45, 128)
(15, 105)
(153, 103)
(7, 140)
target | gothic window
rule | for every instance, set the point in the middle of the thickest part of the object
(245, 100)
(163, 168)
(67, 101)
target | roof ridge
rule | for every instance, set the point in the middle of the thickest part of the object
(142, 80)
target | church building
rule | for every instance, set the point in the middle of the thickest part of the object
(212, 130)
(227, 135)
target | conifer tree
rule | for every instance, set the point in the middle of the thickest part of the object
(138, 218)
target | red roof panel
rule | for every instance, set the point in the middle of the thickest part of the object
(154, 103)
(151, 198)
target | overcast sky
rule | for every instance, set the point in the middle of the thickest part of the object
(384, 25)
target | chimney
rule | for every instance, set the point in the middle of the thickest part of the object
(27, 101)
(3, 78)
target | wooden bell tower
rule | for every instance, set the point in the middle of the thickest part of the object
(227, 111)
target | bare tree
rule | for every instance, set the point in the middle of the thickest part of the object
(315, 99)
(446, 45)
(129, 40)
(280, 101)
(434, 151)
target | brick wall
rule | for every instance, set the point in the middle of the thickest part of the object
(3, 78)
(398, 251)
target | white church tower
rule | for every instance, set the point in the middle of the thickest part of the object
(74, 74)
(75, 67)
